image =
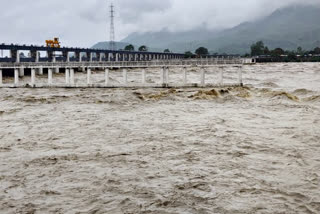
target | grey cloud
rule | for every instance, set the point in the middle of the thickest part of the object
(85, 22)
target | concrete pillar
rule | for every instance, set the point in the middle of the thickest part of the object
(72, 77)
(117, 57)
(40, 70)
(109, 56)
(67, 74)
(1, 77)
(21, 71)
(16, 76)
(162, 76)
(56, 70)
(53, 56)
(185, 77)
(33, 76)
(50, 76)
(125, 77)
(68, 57)
(240, 75)
(89, 76)
(203, 76)
(100, 57)
(143, 76)
(91, 56)
(80, 57)
(106, 76)
(167, 75)
(18, 57)
(37, 56)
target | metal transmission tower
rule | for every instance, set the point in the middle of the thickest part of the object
(112, 43)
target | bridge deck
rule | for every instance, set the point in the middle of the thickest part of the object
(128, 64)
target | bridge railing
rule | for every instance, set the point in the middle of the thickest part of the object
(153, 63)
(220, 76)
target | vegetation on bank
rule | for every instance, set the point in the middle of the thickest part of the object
(263, 54)
(258, 50)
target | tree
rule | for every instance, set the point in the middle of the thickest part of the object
(292, 57)
(257, 49)
(266, 51)
(300, 51)
(317, 50)
(202, 51)
(188, 54)
(277, 52)
(143, 48)
(166, 51)
(129, 48)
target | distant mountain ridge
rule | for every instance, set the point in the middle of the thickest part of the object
(287, 28)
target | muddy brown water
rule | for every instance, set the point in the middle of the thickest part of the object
(232, 150)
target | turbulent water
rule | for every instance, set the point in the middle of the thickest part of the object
(232, 150)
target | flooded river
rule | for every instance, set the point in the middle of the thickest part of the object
(232, 150)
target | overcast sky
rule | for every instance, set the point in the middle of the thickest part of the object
(85, 22)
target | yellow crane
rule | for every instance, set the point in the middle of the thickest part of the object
(53, 43)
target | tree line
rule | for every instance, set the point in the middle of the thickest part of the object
(201, 51)
(142, 48)
(259, 49)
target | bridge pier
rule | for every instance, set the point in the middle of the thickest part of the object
(40, 70)
(33, 77)
(67, 75)
(21, 71)
(16, 76)
(35, 55)
(88, 76)
(101, 55)
(125, 77)
(1, 83)
(167, 75)
(106, 76)
(56, 70)
(50, 76)
(162, 76)
(15, 54)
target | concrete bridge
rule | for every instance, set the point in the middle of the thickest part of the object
(164, 67)
(68, 54)
(108, 61)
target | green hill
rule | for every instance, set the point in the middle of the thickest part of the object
(287, 28)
